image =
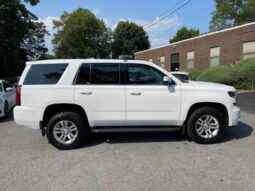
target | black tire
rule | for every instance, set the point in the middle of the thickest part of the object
(77, 121)
(191, 125)
(6, 110)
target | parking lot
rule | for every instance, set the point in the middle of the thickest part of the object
(140, 161)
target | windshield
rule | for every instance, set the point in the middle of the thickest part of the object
(182, 77)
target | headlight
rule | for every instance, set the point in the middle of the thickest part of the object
(232, 94)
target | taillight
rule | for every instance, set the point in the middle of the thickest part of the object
(18, 95)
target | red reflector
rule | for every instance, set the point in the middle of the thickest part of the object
(18, 95)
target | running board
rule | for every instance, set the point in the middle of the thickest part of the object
(136, 129)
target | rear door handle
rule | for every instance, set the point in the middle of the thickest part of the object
(135, 93)
(86, 93)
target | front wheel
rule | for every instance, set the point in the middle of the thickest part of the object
(206, 125)
(6, 110)
(66, 130)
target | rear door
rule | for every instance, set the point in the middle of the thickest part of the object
(98, 90)
(148, 101)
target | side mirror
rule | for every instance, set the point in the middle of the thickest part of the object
(9, 89)
(167, 80)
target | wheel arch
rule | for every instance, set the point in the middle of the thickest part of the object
(53, 109)
(218, 106)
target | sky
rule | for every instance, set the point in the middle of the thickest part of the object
(196, 14)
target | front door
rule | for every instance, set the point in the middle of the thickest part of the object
(98, 90)
(148, 101)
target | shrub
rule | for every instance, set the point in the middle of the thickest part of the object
(218, 74)
(194, 73)
(243, 74)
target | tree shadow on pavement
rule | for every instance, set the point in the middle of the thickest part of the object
(137, 137)
(242, 130)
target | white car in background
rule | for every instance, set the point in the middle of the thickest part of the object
(183, 76)
(7, 98)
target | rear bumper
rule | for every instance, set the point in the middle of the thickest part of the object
(235, 113)
(27, 117)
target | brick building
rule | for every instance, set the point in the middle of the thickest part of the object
(223, 47)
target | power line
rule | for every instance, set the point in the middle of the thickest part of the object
(163, 14)
(162, 18)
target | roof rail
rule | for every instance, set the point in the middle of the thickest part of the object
(125, 57)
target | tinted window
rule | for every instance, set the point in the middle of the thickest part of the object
(182, 77)
(5, 86)
(44, 74)
(143, 74)
(105, 74)
(1, 89)
(83, 74)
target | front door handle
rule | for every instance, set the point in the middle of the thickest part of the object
(135, 93)
(86, 93)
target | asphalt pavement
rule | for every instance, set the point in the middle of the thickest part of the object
(134, 161)
(247, 102)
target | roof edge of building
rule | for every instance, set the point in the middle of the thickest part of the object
(197, 37)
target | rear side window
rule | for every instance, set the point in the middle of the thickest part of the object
(43, 74)
(103, 74)
(83, 76)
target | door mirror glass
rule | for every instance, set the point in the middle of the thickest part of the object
(167, 80)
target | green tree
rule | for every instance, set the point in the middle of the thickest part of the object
(229, 13)
(21, 36)
(34, 41)
(184, 33)
(129, 38)
(81, 35)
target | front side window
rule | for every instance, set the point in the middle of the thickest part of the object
(143, 74)
(105, 74)
(1, 88)
(44, 74)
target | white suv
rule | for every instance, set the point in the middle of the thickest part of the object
(68, 99)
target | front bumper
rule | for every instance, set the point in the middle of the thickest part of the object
(235, 116)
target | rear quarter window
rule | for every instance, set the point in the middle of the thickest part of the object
(43, 74)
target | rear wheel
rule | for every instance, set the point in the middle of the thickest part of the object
(66, 130)
(206, 125)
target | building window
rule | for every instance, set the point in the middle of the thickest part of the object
(214, 56)
(162, 60)
(249, 49)
(190, 59)
(150, 60)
